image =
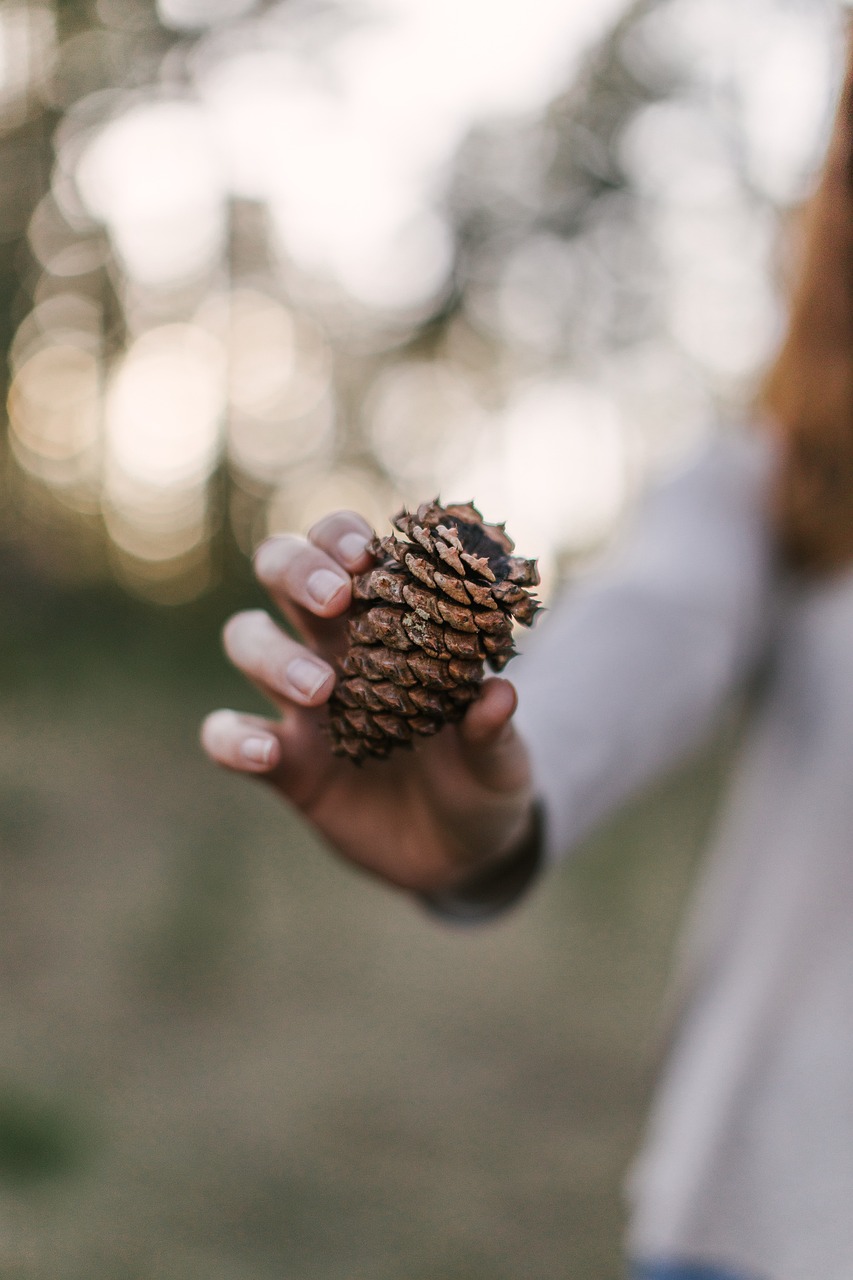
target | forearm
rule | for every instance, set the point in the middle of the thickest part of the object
(631, 671)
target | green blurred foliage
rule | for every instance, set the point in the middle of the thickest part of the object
(40, 1138)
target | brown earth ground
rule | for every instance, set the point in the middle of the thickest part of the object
(227, 1057)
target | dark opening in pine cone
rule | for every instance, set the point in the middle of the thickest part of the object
(438, 605)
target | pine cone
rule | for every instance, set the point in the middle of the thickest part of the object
(439, 603)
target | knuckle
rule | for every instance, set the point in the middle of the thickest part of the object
(229, 631)
(320, 531)
(211, 723)
(206, 732)
(335, 523)
(214, 729)
(238, 627)
(276, 556)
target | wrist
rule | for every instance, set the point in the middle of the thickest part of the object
(491, 890)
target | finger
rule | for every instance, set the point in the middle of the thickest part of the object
(344, 535)
(247, 744)
(490, 745)
(284, 670)
(309, 587)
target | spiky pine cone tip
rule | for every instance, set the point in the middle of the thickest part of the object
(438, 605)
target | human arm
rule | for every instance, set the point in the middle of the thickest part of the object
(634, 664)
(623, 678)
(632, 667)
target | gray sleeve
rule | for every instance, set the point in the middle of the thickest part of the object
(631, 668)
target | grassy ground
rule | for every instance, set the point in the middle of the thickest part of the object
(226, 1057)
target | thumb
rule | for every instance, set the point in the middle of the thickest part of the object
(490, 746)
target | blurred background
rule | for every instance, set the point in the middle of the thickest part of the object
(259, 260)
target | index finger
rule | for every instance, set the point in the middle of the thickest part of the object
(310, 579)
(344, 536)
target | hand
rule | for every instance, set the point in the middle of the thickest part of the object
(427, 820)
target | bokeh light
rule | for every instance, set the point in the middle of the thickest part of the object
(154, 524)
(163, 418)
(310, 494)
(193, 15)
(152, 176)
(27, 45)
(164, 407)
(377, 253)
(555, 465)
(54, 414)
(424, 421)
(279, 384)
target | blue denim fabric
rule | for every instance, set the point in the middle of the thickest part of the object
(682, 1271)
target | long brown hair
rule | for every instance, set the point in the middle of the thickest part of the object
(808, 394)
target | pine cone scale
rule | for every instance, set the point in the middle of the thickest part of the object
(423, 602)
(456, 616)
(451, 587)
(431, 672)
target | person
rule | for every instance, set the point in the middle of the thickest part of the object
(742, 563)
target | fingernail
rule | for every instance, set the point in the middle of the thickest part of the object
(351, 547)
(258, 750)
(307, 676)
(323, 585)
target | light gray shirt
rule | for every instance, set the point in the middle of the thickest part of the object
(748, 1160)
